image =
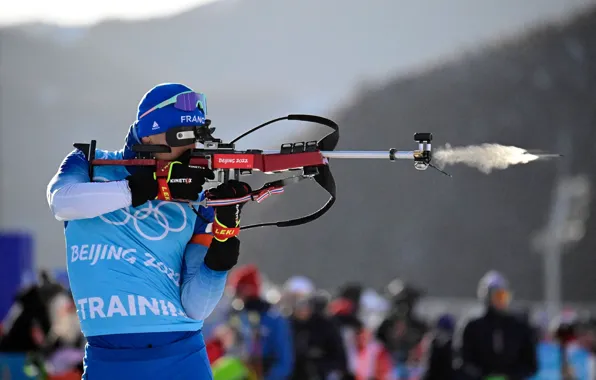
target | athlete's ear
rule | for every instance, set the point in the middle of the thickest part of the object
(146, 140)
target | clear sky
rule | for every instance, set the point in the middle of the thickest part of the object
(77, 12)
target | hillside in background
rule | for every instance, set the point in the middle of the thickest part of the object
(259, 59)
(445, 233)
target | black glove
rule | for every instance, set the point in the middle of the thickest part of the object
(185, 183)
(224, 250)
(223, 256)
(229, 216)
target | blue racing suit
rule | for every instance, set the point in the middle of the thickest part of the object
(137, 275)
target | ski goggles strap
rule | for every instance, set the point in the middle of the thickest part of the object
(185, 101)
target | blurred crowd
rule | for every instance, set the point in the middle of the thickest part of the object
(296, 331)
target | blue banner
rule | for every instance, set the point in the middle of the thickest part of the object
(16, 256)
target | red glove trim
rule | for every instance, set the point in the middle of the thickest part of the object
(163, 190)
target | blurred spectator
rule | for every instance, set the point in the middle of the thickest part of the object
(587, 337)
(221, 342)
(318, 344)
(294, 289)
(256, 333)
(351, 292)
(565, 327)
(439, 363)
(374, 359)
(402, 330)
(497, 344)
(42, 327)
(566, 334)
(343, 311)
(28, 323)
(320, 301)
(373, 308)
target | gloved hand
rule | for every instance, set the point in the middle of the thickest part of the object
(228, 217)
(184, 182)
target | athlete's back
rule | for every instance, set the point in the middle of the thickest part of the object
(124, 266)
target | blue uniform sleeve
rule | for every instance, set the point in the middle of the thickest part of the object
(283, 347)
(202, 288)
(71, 195)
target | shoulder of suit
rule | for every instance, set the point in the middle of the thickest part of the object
(102, 154)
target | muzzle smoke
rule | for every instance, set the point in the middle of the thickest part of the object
(485, 157)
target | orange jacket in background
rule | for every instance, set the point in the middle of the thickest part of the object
(374, 362)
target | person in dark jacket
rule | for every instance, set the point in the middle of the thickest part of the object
(401, 332)
(318, 345)
(498, 344)
(439, 363)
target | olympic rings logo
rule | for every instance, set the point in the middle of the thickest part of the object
(146, 212)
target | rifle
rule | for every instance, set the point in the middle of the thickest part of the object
(310, 159)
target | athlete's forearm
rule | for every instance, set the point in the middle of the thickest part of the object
(204, 276)
(71, 194)
(201, 294)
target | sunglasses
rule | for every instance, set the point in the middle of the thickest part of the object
(185, 101)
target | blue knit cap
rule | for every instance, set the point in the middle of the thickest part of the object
(162, 119)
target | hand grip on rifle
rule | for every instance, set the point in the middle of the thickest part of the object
(229, 215)
(182, 182)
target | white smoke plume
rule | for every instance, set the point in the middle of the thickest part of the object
(485, 157)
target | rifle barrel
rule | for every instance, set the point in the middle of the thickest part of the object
(364, 154)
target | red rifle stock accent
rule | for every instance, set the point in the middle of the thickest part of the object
(262, 162)
(285, 161)
(247, 161)
(200, 161)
